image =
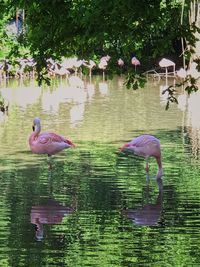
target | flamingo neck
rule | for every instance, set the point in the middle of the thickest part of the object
(37, 129)
(160, 169)
(35, 133)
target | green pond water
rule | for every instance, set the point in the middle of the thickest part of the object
(95, 208)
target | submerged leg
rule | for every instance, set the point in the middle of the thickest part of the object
(147, 165)
(49, 160)
(50, 183)
(147, 177)
(147, 170)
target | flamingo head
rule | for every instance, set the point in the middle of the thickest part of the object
(36, 123)
(125, 147)
(69, 143)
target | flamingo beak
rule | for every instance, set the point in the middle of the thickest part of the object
(124, 147)
(70, 143)
(33, 128)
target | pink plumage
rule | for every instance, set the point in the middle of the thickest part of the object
(47, 142)
(51, 213)
(135, 61)
(146, 146)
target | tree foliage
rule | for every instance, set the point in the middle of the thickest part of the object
(90, 29)
(97, 27)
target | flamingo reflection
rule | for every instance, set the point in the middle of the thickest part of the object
(149, 214)
(90, 90)
(103, 88)
(51, 213)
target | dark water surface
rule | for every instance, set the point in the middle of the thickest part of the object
(95, 208)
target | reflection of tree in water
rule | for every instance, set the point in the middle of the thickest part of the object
(3, 104)
(192, 141)
(191, 123)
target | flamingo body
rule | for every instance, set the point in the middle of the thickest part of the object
(182, 73)
(146, 146)
(164, 63)
(120, 62)
(47, 142)
(135, 61)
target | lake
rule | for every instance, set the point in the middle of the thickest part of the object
(95, 207)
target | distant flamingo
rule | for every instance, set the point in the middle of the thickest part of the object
(165, 63)
(47, 142)
(103, 64)
(182, 73)
(146, 146)
(120, 62)
(135, 62)
(90, 65)
(60, 70)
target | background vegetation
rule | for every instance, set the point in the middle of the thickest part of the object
(93, 28)
(90, 29)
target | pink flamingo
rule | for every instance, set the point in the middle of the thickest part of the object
(146, 146)
(120, 62)
(135, 62)
(165, 63)
(47, 142)
(103, 64)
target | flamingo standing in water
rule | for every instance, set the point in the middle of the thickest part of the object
(120, 63)
(165, 63)
(47, 142)
(146, 146)
(135, 62)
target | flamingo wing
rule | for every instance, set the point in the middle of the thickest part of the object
(45, 138)
(144, 140)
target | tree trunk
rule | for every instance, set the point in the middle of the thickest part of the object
(195, 18)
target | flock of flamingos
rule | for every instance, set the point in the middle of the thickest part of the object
(26, 66)
(51, 143)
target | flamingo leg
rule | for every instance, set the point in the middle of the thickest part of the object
(50, 182)
(103, 76)
(49, 160)
(147, 178)
(147, 189)
(147, 170)
(147, 166)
